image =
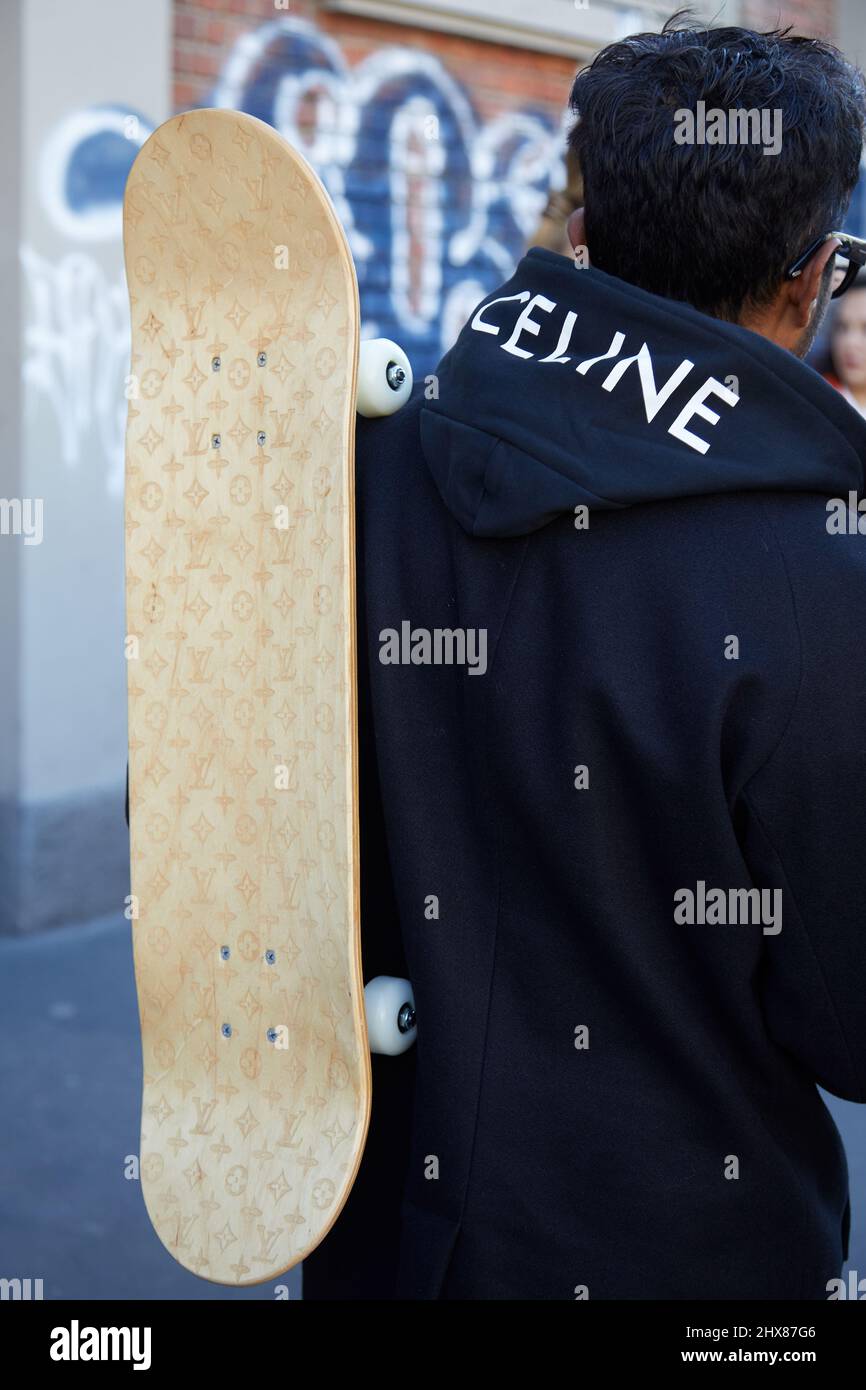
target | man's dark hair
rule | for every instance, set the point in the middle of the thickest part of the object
(714, 225)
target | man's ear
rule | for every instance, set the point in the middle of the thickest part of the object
(803, 291)
(577, 229)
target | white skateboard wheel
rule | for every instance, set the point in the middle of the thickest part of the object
(384, 378)
(390, 1005)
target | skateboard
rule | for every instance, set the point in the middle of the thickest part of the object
(246, 372)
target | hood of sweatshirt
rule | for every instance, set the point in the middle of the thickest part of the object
(568, 387)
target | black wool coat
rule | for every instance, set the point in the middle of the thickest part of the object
(614, 1089)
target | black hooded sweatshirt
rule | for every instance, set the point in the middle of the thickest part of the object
(648, 513)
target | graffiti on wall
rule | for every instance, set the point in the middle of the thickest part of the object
(76, 336)
(437, 205)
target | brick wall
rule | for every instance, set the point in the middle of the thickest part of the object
(814, 18)
(499, 77)
(437, 211)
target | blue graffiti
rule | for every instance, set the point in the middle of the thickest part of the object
(98, 166)
(83, 169)
(437, 204)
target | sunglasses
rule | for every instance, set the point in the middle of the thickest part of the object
(850, 256)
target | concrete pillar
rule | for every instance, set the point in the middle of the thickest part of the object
(81, 87)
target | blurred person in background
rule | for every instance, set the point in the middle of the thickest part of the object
(552, 230)
(847, 346)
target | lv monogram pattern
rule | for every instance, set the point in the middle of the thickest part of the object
(239, 535)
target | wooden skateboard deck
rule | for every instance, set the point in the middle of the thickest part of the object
(242, 696)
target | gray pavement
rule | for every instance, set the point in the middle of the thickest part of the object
(70, 1078)
(70, 1081)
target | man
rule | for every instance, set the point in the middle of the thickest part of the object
(620, 837)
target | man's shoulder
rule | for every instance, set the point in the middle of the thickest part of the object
(822, 539)
(816, 544)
